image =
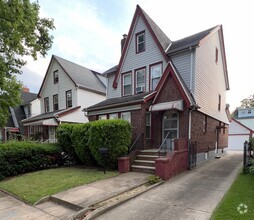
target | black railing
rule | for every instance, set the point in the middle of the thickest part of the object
(138, 144)
(247, 154)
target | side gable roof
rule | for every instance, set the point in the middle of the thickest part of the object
(242, 125)
(82, 77)
(27, 97)
(158, 35)
(189, 41)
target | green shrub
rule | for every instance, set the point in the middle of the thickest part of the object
(80, 138)
(20, 157)
(113, 134)
(153, 179)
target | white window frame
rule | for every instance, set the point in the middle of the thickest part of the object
(153, 76)
(68, 99)
(55, 97)
(138, 42)
(142, 83)
(124, 114)
(129, 84)
(102, 117)
(46, 104)
(113, 116)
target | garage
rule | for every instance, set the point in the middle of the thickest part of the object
(237, 135)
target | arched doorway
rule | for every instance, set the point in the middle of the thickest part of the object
(170, 128)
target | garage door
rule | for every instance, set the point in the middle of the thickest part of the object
(235, 142)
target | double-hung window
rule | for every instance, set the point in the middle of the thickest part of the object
(56, 77)
(140, 80)
(55, 102)
(46, 104)
(127, 84)
(140, 42)
(155, 75)
(68, 99)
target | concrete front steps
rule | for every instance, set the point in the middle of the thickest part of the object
(145, 161)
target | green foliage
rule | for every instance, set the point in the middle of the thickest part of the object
(21, 157)
(153, 179)
(80, 138)
(248, 102)
(63, 133)
(22, 33)
(251, 167)
(113, 134)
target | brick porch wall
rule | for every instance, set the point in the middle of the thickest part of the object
(206, 141)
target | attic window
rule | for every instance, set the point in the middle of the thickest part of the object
(56, 77)
(216, 55)
(140, 42)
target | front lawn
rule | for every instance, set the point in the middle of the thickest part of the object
(238, 203)
(31, 187)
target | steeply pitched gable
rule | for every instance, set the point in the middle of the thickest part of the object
(161, 40)
(82, 77)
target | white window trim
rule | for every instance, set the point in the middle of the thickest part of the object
(102, 117)
(151, 78)
(140, 71)
(124, 75)
(113, 114)
(126, 113)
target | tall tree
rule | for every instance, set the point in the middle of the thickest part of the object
(248, 102)
(22, 33)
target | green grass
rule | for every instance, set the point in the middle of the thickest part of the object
(241, 192)
(31, 187)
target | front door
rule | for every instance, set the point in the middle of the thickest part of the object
(170, 128)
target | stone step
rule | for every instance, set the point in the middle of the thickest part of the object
(144, 163)
(145, 169)
(147, 157)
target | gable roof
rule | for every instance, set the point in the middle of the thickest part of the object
(189, 41)
(158, 35)
(244, 126)
(82, 77)
(27, 97)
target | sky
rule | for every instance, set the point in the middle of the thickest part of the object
(88, 32)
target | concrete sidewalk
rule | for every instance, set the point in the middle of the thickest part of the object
(78, 197)
(192, 195)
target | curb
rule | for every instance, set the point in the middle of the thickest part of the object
(94, 214)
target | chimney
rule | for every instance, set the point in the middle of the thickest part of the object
(123, 42)
(26, 89)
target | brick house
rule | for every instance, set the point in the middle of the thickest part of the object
(172, 92)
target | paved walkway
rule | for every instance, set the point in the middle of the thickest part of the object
(83, 196)
(191, 195)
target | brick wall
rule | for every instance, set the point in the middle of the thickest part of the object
(206, 138)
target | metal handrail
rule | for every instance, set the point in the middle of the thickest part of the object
(140, 135)
(163, 142)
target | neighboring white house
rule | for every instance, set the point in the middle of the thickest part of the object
(238, 134)
(245, 116)
(66, 89)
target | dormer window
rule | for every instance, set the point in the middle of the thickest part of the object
(140, 42)
(127, 84)
(140, 80)
(56, 77)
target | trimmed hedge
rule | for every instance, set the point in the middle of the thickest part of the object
(113, 134)
(21, 157)
(80, 138)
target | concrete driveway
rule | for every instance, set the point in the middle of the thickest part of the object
(191, 195)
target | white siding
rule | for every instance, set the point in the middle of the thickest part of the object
(236, 128)
(209, 79)
(111, 92)
(86, 98)
(133, 61)
(248, 122)
(184, 63)
(49, 88)
(75, 117)
(35, 107)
